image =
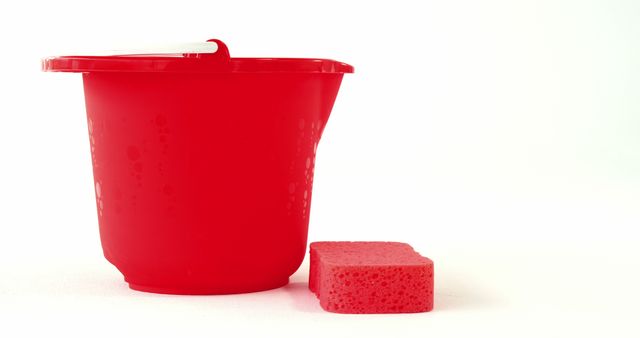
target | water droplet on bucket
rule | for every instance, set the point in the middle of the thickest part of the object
(301, 124)
(292, 187)
(133, 153)
(161, 120)
(98, 189)
(305, 195)
(308, 163)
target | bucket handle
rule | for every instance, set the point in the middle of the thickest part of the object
(221, 55)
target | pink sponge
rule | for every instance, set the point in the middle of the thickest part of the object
(370, 277)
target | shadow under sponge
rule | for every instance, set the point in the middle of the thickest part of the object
(370, 277)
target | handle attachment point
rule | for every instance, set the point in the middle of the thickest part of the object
(220, 55)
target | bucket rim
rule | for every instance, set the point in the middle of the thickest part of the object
(181, 63)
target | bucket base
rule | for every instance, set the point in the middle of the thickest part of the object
(207, 290)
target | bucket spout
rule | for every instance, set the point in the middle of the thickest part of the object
(329, 94)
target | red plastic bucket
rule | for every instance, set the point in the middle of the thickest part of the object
(203, 164)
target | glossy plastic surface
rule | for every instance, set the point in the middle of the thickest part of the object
(218, 62)
(204, 180)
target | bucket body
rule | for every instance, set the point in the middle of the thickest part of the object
(204, 181)
(203, 163)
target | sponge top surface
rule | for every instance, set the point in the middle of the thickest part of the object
(368, 253)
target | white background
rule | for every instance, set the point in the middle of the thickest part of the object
(499, 138)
